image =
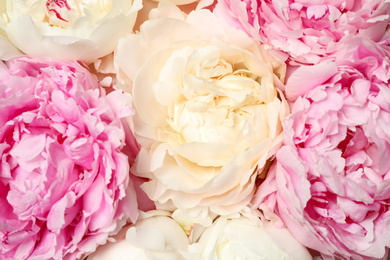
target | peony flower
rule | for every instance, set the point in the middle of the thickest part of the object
(180, 2)
(245, 237)
(307, 30)
(330, 183)
(68, 29)
(65, 184)
(208, 114)
(153, 237)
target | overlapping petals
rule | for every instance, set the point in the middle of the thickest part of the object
(155, 236)
(330, 184)
(243, 236)
(67, 29)
(64, 183)
(307, 30)
(208, 111)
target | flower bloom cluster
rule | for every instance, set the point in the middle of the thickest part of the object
(307, 30)
(195, 129)
(64, 182)
(330, 184)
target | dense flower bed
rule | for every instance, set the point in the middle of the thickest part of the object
(194, 129)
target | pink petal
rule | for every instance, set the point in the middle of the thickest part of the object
(29, 147)
(306, 78)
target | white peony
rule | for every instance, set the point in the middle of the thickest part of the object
(242, 237)
(67, 29)
(208, 113)
(154, 237)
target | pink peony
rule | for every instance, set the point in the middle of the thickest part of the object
(64, 183)
(307, 29)
(330, 184)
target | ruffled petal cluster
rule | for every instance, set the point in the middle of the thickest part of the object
(308, 31)
(208, 111)
(64, 182)
(331, 180)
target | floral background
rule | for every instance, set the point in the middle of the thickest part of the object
(184, 129)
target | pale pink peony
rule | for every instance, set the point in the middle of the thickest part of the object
(305, 29)
(330, 184)
(65, 184)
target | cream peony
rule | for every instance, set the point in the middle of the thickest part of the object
(208, 115)
(67, 29)
(245, 237)
(154, 237)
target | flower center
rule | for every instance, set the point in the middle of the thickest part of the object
(361, 155)
(225, 111)
(55, 6)
(64, 13)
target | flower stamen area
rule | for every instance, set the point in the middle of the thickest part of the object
(52, 6)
